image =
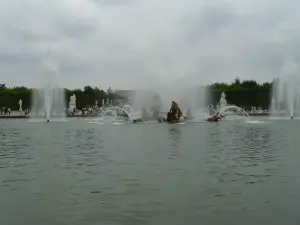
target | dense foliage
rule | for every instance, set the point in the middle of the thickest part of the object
(10, 97)
(245, 93)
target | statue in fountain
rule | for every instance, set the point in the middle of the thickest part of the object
(20, 105)
(214, 118)
(225, 110)
(223, 102)
(123, 114)
(72, 103)
(174, 114)
(110, 90)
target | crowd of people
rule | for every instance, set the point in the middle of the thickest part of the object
(5, 111)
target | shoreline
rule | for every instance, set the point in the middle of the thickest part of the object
(39, 117)
(86, 116)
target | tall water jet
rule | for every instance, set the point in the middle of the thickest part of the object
(273, 107)
(286, 90)
(48, 98)
(143, 98)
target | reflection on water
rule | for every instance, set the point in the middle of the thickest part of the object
(175, 132)
(175, 136)
(255, 144)
(216, 173)
(175, 139)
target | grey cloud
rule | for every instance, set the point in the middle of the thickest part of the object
(135, 44)
(14, 60)
(70, 67)
(214, 17)
(26, 35)
(75, 28)
(114, 2)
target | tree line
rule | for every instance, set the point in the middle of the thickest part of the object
(246, 93)
(9, 97)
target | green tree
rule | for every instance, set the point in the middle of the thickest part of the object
(246, 93)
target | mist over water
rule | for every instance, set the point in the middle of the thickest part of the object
(189, 95)
(48, 98)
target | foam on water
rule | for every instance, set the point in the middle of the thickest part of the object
(117, 123)
(149, 122)
(283, 118)
(96, 123)
(256, 122)
(95, 119)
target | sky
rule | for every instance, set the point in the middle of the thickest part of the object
(130, 44)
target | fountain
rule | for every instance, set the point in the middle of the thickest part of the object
(161, 94)
(72, 104)
(232, 109)
(116, 112)
(48, 98)
(225, 109)
(273, 108)
(193, 103)
(286, 91)
(128, 108)
(157, 101)
(223, 101)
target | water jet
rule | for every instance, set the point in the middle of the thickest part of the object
(48, 97)
(116, 112)
(286, 92)
(225, 109)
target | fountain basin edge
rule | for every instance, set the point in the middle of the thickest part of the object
(40, 117)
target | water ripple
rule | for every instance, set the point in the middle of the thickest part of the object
(216, 173)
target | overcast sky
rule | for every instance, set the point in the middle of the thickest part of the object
(140, 43)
